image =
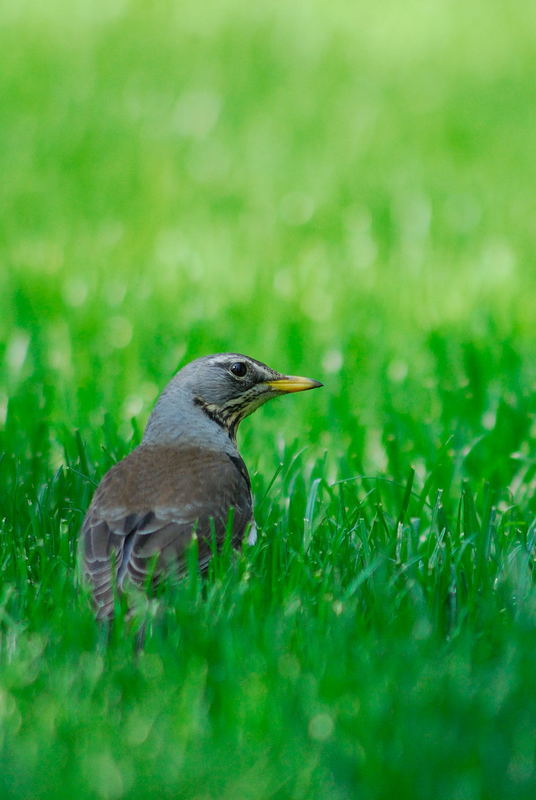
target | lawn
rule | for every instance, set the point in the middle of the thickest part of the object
(341, 190)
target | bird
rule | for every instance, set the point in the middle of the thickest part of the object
(185, 478)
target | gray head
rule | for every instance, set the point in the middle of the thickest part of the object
(209, 397)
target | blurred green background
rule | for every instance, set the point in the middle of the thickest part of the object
(322, 185)
(343, 190)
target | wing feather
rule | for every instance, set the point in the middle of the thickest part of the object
(146, 508)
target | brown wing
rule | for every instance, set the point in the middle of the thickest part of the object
(146, 508)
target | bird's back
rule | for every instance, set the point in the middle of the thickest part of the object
(147, 507)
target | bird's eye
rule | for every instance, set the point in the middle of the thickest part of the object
(238, 369)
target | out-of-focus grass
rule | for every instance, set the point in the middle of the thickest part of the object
(342, 190)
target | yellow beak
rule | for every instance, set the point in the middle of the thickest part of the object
(292, 383)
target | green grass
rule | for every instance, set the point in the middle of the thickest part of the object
(343, 190)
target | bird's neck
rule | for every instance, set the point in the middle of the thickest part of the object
(177, 419)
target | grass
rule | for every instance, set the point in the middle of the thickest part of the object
(341, 190)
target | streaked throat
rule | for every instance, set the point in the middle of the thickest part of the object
(231, 413)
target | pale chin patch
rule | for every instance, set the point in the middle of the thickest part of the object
(252, 535)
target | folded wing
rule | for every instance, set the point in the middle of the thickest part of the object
(146, 509)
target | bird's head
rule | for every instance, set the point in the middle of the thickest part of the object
(226, 388)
